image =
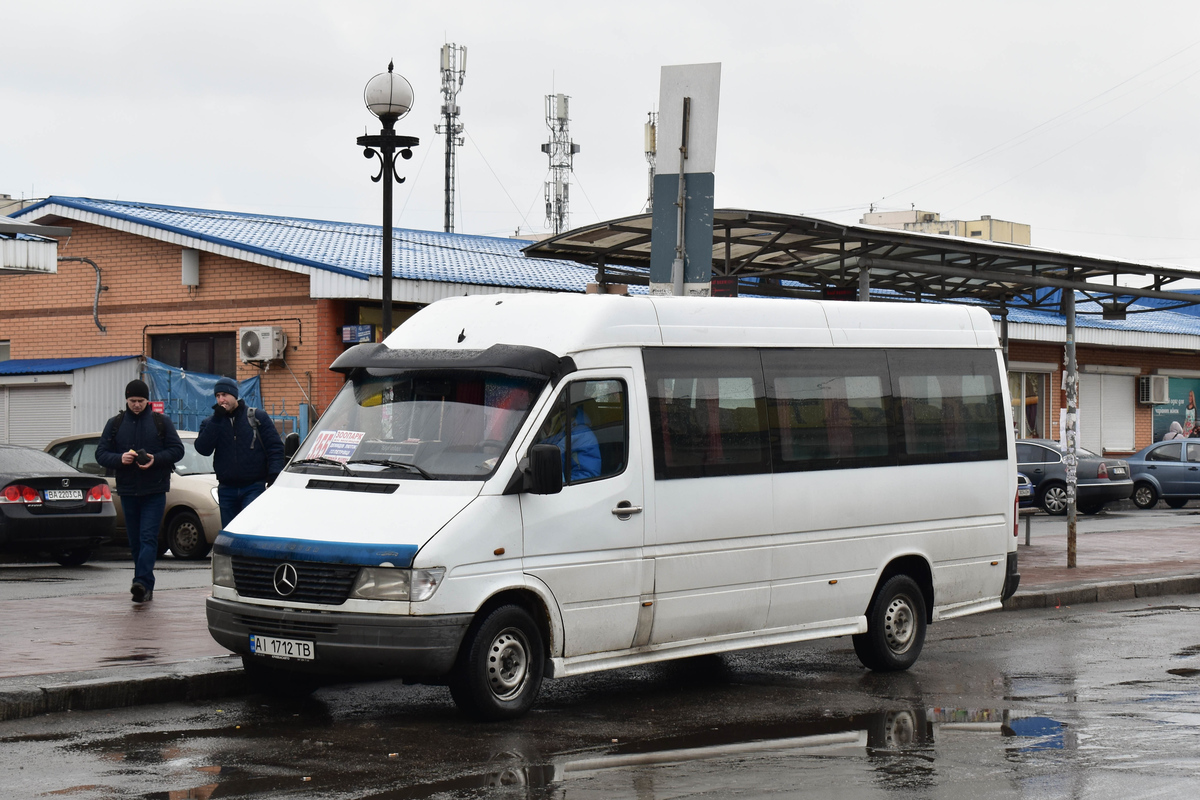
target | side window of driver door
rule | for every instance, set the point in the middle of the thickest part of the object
(590, 425)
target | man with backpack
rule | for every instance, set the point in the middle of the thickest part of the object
(141, 447)
(248, 451)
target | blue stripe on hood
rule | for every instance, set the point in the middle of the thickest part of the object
(368, 555)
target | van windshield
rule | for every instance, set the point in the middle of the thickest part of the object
(419, 425)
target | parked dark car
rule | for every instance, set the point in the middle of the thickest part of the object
(1099, 480)
(49, 507)
(1168, 471)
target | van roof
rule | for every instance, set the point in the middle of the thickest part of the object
(563, 324)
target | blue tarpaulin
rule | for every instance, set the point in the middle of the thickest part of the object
(188, 397)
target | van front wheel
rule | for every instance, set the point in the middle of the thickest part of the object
(499, 670)
(895, 627)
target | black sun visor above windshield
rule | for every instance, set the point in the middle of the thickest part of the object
(506, 359)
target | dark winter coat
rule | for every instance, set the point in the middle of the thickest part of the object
(138, 432)
(241, 458)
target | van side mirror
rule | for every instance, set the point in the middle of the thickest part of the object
(543, 474)
(291, 443)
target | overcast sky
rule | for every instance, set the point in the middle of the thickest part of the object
(1079, 118)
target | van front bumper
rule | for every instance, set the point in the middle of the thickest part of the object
(354, 645)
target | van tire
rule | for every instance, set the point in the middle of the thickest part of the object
(185, 537)
(499, 669)
(276, 682)
(895, 627)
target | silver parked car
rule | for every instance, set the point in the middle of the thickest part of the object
(192, 520)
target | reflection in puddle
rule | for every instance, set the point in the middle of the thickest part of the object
(896, 746)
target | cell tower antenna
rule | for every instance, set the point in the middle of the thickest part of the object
(454, 69)
(561, 151)
(651, 155)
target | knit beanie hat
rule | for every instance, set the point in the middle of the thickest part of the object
(137, 388)
(226, 385)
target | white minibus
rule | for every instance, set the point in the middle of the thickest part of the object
(520, 486)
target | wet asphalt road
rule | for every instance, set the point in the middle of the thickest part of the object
(1098, 701)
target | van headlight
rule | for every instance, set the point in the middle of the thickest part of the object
(216, 497)
(222, 570)
(389, 583)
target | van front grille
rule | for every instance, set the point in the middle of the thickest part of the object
(327, 584)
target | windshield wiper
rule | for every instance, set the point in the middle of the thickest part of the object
(328, 462)
(387, 462)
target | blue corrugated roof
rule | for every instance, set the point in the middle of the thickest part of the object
(355, 249)
(38, 366)
(350, 248)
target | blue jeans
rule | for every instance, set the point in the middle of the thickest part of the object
(234, 498)
(143, 515)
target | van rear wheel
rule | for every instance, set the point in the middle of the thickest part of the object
(895, 627)
(499, 670)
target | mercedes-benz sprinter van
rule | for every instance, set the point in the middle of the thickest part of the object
(514, 487)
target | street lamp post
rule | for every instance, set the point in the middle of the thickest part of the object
(388, 96)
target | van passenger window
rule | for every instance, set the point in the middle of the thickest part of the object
(829, 409)
(597, 438)
(950, 405)
(708, 413)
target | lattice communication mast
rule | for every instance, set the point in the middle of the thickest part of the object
(651, 155)
(454, 69)
(561, 151)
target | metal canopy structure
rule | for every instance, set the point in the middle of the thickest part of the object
(781, 255)
(793, 256)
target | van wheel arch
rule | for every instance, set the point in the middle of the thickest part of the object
(915, 567)
(526, 600)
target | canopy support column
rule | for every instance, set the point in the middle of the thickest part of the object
(1072, 433)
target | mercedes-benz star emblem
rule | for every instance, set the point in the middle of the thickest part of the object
(285, 579)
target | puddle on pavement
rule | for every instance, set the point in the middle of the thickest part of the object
(1154, 611)
(133, 658)
(897, 744)
(1184, 672)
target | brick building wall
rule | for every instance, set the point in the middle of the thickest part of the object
(1146, 361)
(50, 316)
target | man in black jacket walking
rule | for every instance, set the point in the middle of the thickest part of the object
(141, 447)
(248, 453)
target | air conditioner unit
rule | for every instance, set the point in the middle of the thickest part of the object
(261, 343)
(1152, 389)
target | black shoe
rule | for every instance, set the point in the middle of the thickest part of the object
(140, 593)
(149, 596)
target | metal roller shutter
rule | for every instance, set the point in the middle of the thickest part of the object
(38, 414)
(1106, 409)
